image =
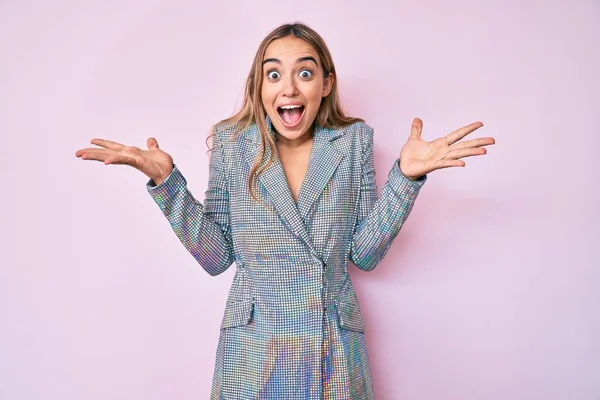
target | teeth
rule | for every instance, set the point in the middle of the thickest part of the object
(290, 107)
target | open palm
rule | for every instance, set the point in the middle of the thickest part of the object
(154, 162)
(419, 157)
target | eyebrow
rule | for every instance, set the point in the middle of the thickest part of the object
(299, 60)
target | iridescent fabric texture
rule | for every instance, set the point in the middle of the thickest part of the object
(292, 326)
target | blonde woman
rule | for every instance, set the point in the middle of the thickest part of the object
(292, 199)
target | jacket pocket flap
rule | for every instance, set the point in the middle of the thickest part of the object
(237, 314)
(350, 318)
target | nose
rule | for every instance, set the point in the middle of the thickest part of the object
(289, 87)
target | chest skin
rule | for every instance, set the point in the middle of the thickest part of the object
(294, 160)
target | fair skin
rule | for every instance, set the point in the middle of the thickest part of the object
(289, 85)
(293, 77)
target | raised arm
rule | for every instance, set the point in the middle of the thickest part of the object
(203, 229)
(380, 220)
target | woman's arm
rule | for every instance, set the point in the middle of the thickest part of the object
(204, 229)
(380, 219)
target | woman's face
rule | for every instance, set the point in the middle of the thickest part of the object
(293, 86)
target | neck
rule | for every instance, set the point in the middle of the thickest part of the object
(294, 143)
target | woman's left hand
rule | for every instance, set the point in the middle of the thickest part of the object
(418, 157)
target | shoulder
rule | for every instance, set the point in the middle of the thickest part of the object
(224, 132)
(359, 131)
(355, 128)
(232, 137)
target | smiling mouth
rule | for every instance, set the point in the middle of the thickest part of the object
(290, 115)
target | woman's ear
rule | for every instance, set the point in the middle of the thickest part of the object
(328, 84)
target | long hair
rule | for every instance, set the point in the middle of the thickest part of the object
(330, 115)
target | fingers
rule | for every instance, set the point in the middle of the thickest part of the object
(480, 142)
(110, 152)
(449, 164)
(94, 154)
(106, 156)
(152, 143)
(416, 128)
(468, 152)
(107, 144)
(462, 132)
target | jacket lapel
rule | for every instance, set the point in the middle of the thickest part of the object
(275, 183)
(324, 160)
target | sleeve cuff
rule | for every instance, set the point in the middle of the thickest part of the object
(172, 183)
(401, 184)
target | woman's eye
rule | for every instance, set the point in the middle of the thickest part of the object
(306, 73)
(273, 75)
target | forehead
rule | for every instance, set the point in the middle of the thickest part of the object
(289, 49)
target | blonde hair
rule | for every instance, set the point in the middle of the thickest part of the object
(330, 115)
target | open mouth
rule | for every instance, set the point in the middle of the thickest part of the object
(291, 114)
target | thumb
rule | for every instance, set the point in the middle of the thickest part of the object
(417, 127)
(152, 143)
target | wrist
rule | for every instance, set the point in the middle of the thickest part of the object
(160, 178)
(409, 176)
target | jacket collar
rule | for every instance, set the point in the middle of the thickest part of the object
(324, 160)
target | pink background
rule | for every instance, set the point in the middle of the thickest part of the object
(492, 290)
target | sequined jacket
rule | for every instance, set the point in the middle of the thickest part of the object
(292, 326)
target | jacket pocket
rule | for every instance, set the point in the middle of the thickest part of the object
(238, 314)
(349, 317)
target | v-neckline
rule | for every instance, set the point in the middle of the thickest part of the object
(303, 183)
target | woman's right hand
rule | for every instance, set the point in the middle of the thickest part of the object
(154, 162)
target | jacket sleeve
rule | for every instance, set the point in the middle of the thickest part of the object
(380, 219)
(204, 229)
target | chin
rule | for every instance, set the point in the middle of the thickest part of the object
(291, 133)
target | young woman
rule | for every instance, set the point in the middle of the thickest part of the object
(292, 199)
